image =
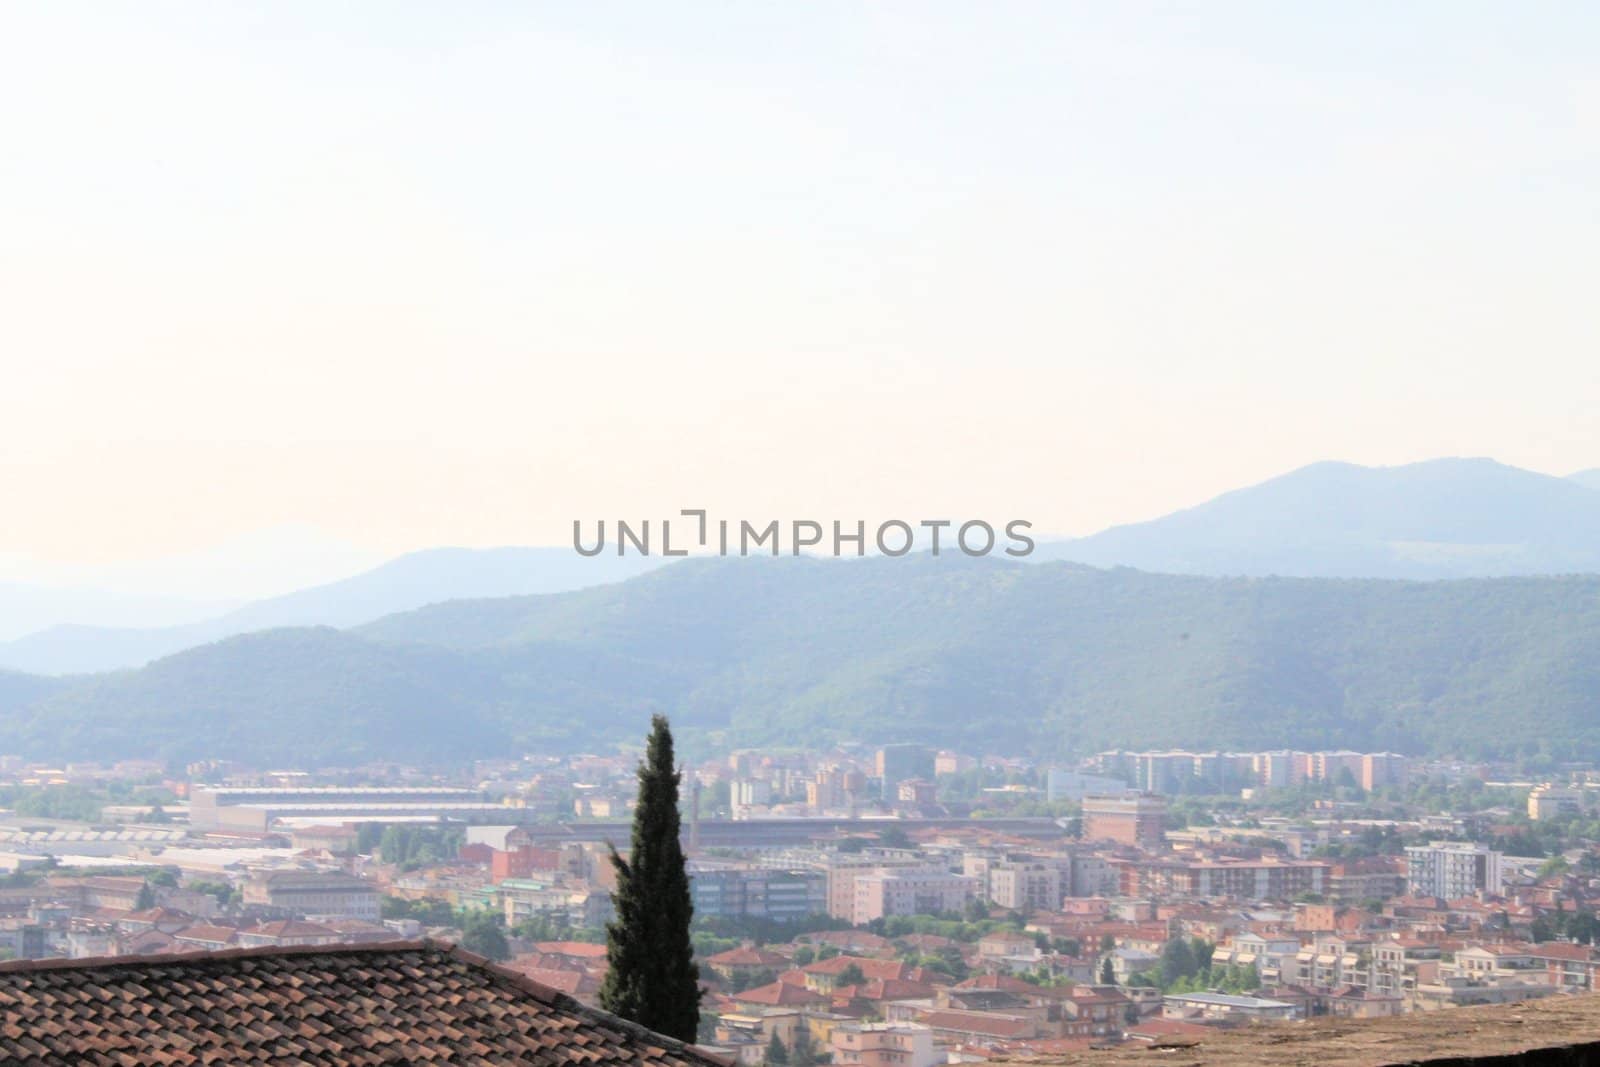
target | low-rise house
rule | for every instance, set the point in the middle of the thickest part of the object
(207, 937)
(1100, 1011)
(979, 1027)
(1225, 1008)
(286, 932)
(315, 893)
(747, 960)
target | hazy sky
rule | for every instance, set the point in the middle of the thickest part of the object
(424, 274)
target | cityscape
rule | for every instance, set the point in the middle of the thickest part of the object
(898, 534)
(865, 900)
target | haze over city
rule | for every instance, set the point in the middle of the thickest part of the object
(1133, 582)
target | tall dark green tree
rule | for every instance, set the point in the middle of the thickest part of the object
(653, 979)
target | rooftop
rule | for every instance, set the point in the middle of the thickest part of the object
(402, 1002)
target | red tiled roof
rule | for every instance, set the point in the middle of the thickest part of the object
(1005, 982)
(870, 968)
(289, 928)
(220, 935)
(406, 1002)
(779, 994)
(746, 956)
(885, 989)
(580, 949)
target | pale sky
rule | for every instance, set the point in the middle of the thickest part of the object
(459, 273)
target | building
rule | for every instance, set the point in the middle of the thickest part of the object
(1027, 885)
(1549, 801)
(325, 1006)
(917, 791)
(895, 763)
(1128, 820)
(1225, 1007)
(884, 1045)
(909, 891)
(314, 893)
(286, 932)
(1380, 769)
(1062, 784)
(734, 890)
(1265, 879)
(248, 808)
(1450, 870)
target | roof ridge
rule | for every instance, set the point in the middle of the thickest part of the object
(100, 963)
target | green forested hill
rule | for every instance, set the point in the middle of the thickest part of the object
(977, 654)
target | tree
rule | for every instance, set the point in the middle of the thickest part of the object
(804, 1053)
(1177, 961)
(484, 933)
(146, 898)
(777, 1054)
(850, 974)
(653, 979)
(1107, 975)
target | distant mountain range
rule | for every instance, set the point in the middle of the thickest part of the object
(27, 609)
(1452, 518)
(1448, 518)
(410, 581)
(1052, 659)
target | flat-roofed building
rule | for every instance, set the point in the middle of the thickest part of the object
(314, 893)
(257, 808)
(1451, 870)
(1128, 820)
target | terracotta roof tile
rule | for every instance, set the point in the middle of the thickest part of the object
(406, 1002)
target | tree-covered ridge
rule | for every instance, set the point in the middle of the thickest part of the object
(1054, 659)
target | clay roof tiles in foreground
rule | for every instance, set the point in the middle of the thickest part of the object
(416, 1002)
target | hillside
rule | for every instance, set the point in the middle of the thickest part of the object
(975, 654)
(410, 581)
(1588, 478)
(1448, 518)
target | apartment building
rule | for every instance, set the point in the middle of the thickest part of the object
(884, 1045)
(1128, 820)
(1450, 870)
(909, 891)
(1026, 886)
(730, 889)
(1266, 879)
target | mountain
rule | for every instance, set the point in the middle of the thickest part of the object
(975, 654)
(1589, 478)
(249, 566)
(26, 609)
(407, 582)
(1448, 518)
(20, 691)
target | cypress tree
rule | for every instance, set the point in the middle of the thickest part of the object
(653, 979)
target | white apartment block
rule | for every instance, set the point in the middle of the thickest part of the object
(1451, 870)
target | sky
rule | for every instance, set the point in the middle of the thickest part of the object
(422, 274)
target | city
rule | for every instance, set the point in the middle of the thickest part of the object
(945, 906)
